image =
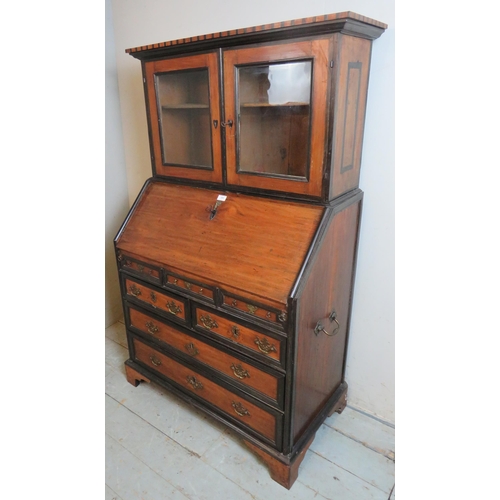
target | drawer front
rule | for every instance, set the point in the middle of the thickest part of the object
(237, 407)
(185, 285)
(267, 346)
(146, 271)
(237, 370)
(256, 310)
(161, 301)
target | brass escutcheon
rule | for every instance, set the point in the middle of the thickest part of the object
(264, 345)
(208, 322)
(188, 285)
(153, 296)
(191, 349)
(239, 371)
(173, 308)
(195, 383)
(152, 328)
(140, 268)
(235, 331)
(240, 409)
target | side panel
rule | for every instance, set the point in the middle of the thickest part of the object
(353, 65)
(326, 287)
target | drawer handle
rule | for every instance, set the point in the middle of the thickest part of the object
(152, 328)
(264, 345)
(320, 328)
(154, 360)
(252, 309)
(195, 383)
(134, 290)
(240, 409)
(173, 308)
(239, 371)
(191, 349)
(235, 331)
(208, 322)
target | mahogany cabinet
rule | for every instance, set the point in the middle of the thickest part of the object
(237, 259)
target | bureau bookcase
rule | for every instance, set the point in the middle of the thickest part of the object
(237, 259)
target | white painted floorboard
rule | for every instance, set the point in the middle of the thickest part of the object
(160, 448)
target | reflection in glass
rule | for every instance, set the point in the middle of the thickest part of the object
(183, 107)
(274, 118)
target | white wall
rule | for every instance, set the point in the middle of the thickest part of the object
(370, 364)
(116, 177)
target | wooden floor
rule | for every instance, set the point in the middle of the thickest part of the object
(158, 447)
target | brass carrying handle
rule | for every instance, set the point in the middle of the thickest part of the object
(229, 123)
(134, 290)
(320, 328)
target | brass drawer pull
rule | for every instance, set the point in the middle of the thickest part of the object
(191, 349)
(235, 331)
(320, 328)
(264, 345)
(252, 309)
(134, 290)
(173, 308)
(240, 409)
(154, 360)
(208, 322)
(152, 328)
(239, 371)
(195, 383)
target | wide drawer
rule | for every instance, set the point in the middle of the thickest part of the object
(162, 302)
(230, 403)
(238, 371)
(264, 345)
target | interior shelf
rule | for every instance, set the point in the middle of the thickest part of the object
(268, 105)
(185, 106)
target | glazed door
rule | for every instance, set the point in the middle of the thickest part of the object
(275, 116)
(183, 100)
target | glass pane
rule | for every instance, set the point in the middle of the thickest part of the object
(274, 118)
(183, 107)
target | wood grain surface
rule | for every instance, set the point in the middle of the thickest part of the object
(253, 246)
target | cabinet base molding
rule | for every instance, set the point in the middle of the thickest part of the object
(134, 377)
(282, 472)
(339, 406)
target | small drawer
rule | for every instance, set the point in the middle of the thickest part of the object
(162, 302)
(266, 346)
(134, 266)
(256, 310)
(231, 404)
(189, 286)
(237, 371)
